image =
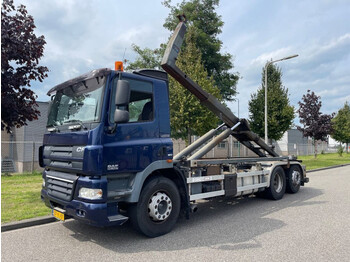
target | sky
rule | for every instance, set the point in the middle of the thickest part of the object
(85, 35)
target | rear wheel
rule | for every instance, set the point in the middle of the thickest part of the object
(277, 184)
(158, 208)
(294, 179)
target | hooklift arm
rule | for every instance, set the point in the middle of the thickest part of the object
(168, 64)
(243, 132)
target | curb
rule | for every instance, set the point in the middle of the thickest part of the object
(325, 168)
(27, 223)
(50, 219)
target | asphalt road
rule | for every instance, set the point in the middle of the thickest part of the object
(312, 225)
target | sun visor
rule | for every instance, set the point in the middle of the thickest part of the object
(90, 75)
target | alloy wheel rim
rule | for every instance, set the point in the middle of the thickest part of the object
(159, 206)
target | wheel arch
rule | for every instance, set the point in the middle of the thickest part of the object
(165, 169)
(177, 176)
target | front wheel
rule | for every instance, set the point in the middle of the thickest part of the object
(294, 179)
(158, 208)
(277, 184)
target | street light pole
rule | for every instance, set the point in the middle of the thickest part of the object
(266, 66)
(239, 145)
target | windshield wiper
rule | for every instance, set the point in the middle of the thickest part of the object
(80, 124)
(52, 128)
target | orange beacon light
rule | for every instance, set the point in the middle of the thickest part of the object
(118, 66)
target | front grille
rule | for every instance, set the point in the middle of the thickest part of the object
(64, 157)
(60, 185)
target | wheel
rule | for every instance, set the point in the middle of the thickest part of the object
(294, 179)
(158, 208)
(277, 184)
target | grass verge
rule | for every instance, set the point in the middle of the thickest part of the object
(324, 160)
(20, 197)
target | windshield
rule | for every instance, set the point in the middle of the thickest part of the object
(78, 103)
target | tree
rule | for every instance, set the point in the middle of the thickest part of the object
(341, 126)
(21, 50)
(315, 124)
(280, 113)
(147, 58)
(187, 116)
(202, 16)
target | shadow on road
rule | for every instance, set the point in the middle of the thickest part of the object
(224, 223)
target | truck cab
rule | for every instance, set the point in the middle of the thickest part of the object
(96, 145)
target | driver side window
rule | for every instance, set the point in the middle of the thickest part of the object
(141, 110)
(141, 107)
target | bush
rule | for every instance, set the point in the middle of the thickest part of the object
(322, 152)
(340, 150)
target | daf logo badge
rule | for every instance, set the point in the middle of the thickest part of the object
(80, 149)
(113, 167)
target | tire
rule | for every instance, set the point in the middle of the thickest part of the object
(277, 184)
(158, 208)
(294, 179)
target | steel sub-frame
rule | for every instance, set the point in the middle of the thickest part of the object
(257, 182)
(251, 187)
(206, 162)
(207, 195)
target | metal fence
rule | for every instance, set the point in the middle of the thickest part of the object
(20, 156)
(232, 148)
(304, 149)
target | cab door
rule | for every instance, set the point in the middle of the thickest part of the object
(135, 144)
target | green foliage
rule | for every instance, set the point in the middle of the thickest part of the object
(280, 113)
(200, 56)
(340, 150)
(341, 125)
(188, 117)
(147, 58)
(207, 24)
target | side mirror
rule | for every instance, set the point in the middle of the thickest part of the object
(122, 96)
(121, 116)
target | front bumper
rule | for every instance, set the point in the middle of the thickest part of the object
(96, 214)
(304, 178)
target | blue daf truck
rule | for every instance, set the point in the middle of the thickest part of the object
(108, 155)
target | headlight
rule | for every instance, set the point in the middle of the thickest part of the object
(90, 193)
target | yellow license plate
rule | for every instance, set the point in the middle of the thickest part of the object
(58, 215)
